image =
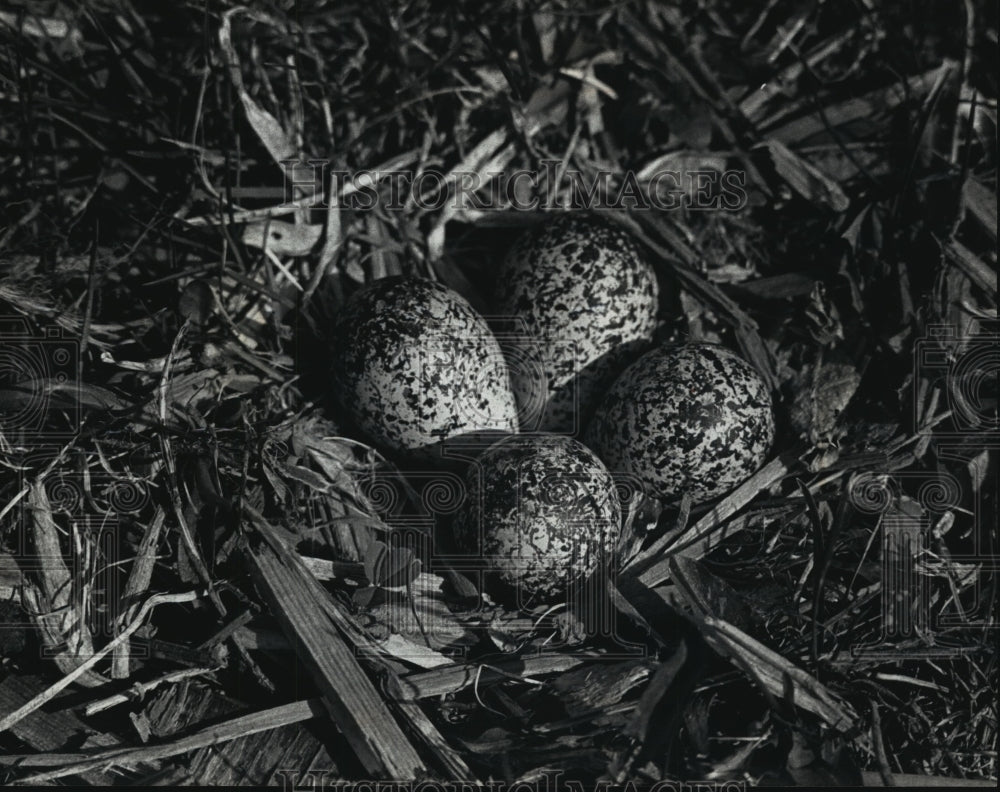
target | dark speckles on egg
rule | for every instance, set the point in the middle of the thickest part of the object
(692, 418)
(540, 511)
(414, 364)
(581, 288)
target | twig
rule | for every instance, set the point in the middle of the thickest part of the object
(273, 718)
(140, 689)
(304, 610)
(51, 692)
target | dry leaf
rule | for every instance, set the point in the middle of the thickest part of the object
(390, 566)
(403, 648)
(822, 393)
(599, 685)
(275, 139)
(282, 239)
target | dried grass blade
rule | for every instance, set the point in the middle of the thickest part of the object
(71, 764)
(137, 583)
(698, 539)
(870, 105)
(658, 686)
(59, 616)
(807, 180)
(753, 105)
(301, 605)
(768, 667)
(978, 270)
(276, 140)
(51, 692)
(982, 204)
(685, 269)
(166, 452)
(333, 238)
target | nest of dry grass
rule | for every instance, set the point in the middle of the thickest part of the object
(208, 578)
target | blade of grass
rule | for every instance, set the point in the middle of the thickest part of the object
(788, 127)
(769, 668)
(979, 271)
(71, 764)
(51, 692)
(300, 605)
(652, 566)
(137, 583)
(684, 262)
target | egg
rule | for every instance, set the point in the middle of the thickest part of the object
(691, 418)
(540, 512)
(578, 300)
(417, 368)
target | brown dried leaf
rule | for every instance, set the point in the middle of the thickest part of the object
(593, 687)
(197, 302)
(390, 566)
(547, 106)
(426, 620)
(282, 239)
(823, 392)
(412, 651)
(275, 139)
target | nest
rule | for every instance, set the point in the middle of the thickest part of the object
(208, 577)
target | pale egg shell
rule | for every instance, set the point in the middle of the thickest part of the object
(415, 366)
(692, 418)
(540, 512)
(579, 301)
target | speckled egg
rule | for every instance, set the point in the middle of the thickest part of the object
(692, 418)
(540, 511)
(579, 301)
(415, 367)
